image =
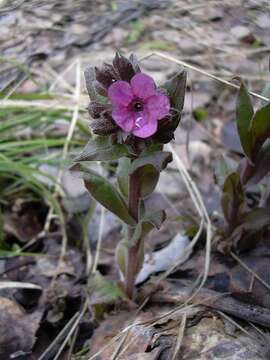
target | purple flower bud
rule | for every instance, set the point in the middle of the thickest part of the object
(104, 125)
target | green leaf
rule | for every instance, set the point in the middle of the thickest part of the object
(121, 255)
(123, 175)
(260, 128)
(105, 193)
(256, 219)
(249, 230)
(261, 166)
(148, 167)
(146, 224)
(244, 114)
(222, 171)
(148, 178)
(232, 199)
(176, 88)
(100, 149)
(102, 291)
(158, 159)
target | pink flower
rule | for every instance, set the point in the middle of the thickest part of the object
(137, 106)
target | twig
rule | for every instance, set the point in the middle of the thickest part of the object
(250, 270)
(203, 72)
(236, 324)
(49, 349)
(180, 336)
(13, 89)
(60, 77)
(45, 104)
(198, 202)
(18, 285)
(73, 328)
(120, 346)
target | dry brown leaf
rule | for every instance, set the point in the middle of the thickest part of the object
(17, 329)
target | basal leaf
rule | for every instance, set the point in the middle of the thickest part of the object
(101, 291)
(261, 166)
(260, 128)
(244, 114)
(256, 218)
(250, 228)
(232, 199)
(222, 171)
(100, 149)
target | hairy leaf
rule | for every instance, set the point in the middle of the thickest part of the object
(176, 88)
(105, 193)
(222, 171)
(148, 178)
(100, 149)
(102, 291)
(256, 218)
(249, 231)
(261, 166)
(260, 128)
(121, 255)
(158, 159)
(90, 77)
(123, 175)
(148, 168)
(244, 114)
(232, 199)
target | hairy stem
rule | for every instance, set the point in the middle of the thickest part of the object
(133, 252)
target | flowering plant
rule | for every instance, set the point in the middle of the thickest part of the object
(245, 224)
(132, 119)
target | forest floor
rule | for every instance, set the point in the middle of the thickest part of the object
(58, 292)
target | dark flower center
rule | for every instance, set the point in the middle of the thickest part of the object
(137, 106)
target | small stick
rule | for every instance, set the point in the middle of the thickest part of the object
(217, 301)
(203, 72)
(180, 336)
(250, 270)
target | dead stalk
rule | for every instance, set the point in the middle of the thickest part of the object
(180, 337)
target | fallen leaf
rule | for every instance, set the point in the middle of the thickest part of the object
(176, 252)
(17, 329)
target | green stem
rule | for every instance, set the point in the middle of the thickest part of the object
(133, 252)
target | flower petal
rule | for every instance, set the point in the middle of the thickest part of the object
(120, 93)
(143, 86)
(158, 106)
(123, 118)
(144, 127)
